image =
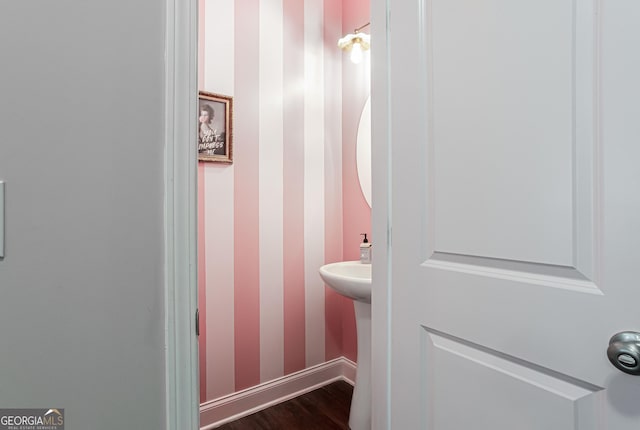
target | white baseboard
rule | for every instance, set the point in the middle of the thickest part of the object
(237, 405)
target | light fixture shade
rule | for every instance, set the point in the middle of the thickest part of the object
(347, 42)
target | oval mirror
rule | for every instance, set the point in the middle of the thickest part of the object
(363, 151)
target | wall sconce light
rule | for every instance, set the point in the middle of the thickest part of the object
(356, 43)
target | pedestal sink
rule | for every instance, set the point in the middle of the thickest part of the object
(352, 279)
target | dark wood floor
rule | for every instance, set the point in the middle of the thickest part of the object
(326, 408)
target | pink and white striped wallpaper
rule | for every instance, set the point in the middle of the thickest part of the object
(284, 207)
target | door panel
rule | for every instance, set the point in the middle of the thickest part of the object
(473, 387)
(514, 215)
(510, 143)
(497, 116)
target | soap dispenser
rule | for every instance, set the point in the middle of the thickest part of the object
(365, 250)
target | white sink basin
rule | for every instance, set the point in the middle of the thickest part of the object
(349, 278)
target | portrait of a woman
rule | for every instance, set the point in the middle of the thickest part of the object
(214, 115)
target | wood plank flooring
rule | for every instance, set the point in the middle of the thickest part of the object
(326, 408)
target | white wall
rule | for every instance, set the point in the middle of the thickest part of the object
(81, 151)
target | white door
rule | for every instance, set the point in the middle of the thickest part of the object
(514, 206)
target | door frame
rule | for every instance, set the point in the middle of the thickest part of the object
(180, 211)
(182, 404)
(381, 216)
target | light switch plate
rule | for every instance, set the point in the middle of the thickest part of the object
(1, 219)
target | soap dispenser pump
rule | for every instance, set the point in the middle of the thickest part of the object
(365, 250)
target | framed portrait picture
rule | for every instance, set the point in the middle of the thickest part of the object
(215, 127)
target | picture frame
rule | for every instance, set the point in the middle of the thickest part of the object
(215, 127)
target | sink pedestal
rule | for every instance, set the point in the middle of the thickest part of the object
(352, 279)
(360, 414)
